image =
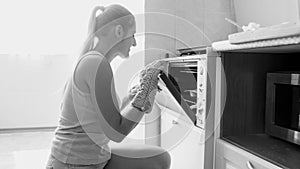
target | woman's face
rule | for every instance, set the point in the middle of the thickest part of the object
(128, 41)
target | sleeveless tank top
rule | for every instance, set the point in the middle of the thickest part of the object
(79, 138)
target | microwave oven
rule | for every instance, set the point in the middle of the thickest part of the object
(282, 118)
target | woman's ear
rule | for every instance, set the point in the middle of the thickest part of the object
(119, 31)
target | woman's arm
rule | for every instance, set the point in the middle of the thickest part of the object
(116, 124)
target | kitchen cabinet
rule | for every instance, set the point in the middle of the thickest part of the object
(182, 140)
(229, 156)
(241, 140)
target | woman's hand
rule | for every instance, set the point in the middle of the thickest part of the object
(146, 92)
(127, 99)
(132, 92)
(156, 66)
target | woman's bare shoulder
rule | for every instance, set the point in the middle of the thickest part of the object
(91, 61)
(87, 69)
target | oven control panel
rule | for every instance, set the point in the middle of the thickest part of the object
(201, 93)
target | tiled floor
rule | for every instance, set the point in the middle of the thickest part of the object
(30, 150)
(27, 150)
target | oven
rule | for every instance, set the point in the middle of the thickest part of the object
(189, 81)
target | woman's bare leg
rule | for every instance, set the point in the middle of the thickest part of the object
(138, 156)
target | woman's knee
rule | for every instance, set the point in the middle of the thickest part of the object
(162, 161)
(140, 156)
(166, 160)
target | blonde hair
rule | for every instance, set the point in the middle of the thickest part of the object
(110, 14)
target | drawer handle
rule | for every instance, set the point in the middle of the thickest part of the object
(174, 122)
(249, 165)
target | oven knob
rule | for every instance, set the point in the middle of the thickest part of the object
(201, 110)
(201, 88)
(201, 71)
(201, 121)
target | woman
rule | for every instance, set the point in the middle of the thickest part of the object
(90, 112)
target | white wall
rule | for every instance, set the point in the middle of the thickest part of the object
(39, 41)
(175, 24)
(266, 12)
(31, 89)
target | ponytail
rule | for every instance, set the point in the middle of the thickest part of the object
(89, 44)
(110, 14)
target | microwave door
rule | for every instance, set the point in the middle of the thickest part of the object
(170, 98)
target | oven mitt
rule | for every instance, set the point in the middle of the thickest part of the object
(132, 92)
(146, 91)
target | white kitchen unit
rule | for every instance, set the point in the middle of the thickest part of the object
(229, 156)
(241, 138)
(182, 140)
(187, 106)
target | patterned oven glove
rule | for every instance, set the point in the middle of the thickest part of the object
(147, 89)
(132, 92)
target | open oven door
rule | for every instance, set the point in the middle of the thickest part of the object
(169, 97)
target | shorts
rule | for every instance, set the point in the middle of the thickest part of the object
(56, 164)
